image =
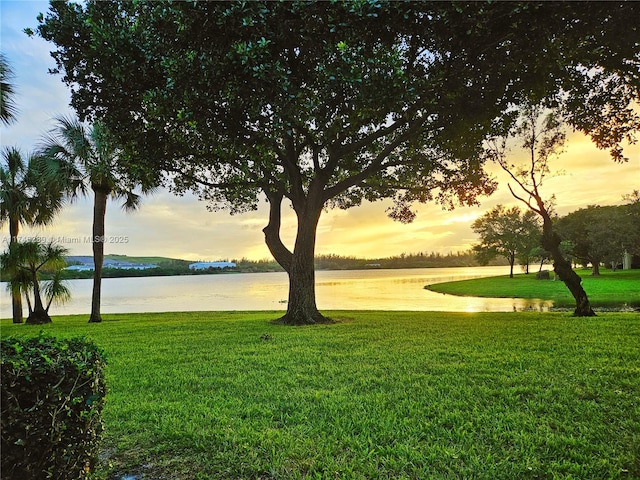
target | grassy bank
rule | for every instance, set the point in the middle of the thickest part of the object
(610, 288)
(376, 396)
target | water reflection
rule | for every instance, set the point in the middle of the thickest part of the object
(335, 290)
(404, 290)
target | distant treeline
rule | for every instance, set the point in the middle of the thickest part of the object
(404, 260)
(323, 262)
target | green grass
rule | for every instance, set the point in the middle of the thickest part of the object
(610, 288)
(141, 260)
(379, 395)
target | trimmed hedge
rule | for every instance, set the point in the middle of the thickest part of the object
(52, 397)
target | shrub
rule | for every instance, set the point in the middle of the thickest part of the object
(52, 396)
(543, 275)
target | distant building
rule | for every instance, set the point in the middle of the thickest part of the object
(131, 266)
(84, 264)
(80, 268)
(207, 265)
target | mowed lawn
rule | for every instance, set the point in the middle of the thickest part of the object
(609, 288)
(377, 395)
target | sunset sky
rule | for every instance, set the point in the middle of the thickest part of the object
(181, 227)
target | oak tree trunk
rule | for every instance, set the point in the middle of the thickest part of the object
(301, 307)
(99, 211)
(299, 264)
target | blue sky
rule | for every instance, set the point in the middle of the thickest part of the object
(38, 94)
(183, 228)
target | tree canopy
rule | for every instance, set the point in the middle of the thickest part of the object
(601, 234)
(506, 232)
(328, 104)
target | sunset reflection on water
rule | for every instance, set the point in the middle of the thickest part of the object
(374, 289)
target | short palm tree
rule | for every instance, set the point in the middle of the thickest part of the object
(29, 260)
(56, 290)
(27, 197)
(8, 108)
(90, 156)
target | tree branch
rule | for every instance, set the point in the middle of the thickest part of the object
(220, 185)
(526, 202)
(339, 151)
(289, 162)
(272, 232)
(376, 165)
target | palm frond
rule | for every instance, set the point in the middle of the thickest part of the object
(74, 137)
(56, 290)
(16, 166)
(132, 201)
(17, 188)
(8, 108)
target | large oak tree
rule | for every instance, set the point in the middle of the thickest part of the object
(327, 104)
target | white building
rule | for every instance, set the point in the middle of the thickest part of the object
(80, 268)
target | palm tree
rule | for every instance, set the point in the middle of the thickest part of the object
(27, 197)
(8, 108)
(90, 157)
(56, 290)
(29, 260)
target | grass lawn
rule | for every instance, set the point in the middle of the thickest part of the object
(142, 260)
(610, 288)
(378, 395)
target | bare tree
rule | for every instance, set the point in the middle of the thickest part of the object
(542, 136)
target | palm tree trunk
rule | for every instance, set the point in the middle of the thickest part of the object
(101, 195)
(29, 305)
(16, 294)
(38, 316)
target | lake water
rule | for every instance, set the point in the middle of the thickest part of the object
(400, 289)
